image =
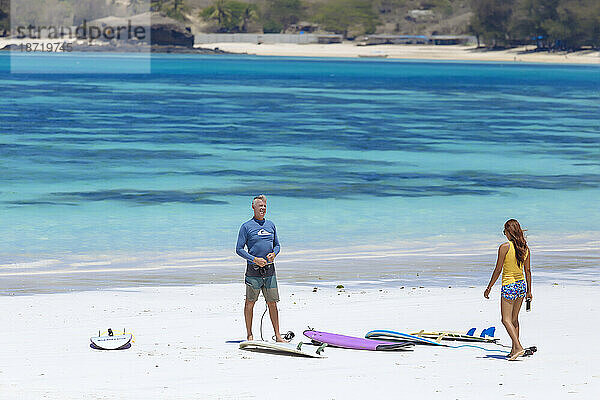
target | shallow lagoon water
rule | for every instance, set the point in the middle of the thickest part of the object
(404, 156)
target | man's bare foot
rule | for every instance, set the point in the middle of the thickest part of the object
(281, 340)
(250, 337)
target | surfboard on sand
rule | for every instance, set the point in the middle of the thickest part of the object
(114, 342)
(399, 336)
(350, 342)
(391, 336)
(276, 347)
(456, 336)
(422, 337)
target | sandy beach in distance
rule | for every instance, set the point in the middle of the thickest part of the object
(416, 52)
(420, 52)
(180, 349)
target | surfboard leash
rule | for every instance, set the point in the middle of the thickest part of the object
(478, 347)
(261, 321)
(289, 335)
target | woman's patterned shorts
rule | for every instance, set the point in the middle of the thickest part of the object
(514, 291)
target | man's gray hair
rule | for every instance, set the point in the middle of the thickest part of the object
(259, 197)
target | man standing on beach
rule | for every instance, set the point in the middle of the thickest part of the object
(260, 237)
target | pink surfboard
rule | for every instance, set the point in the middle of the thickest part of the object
(351, 342)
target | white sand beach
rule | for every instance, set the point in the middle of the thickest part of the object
(180, 349)
(420, 52)
(415, 52)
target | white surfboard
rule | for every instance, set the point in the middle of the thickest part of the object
(288, 348)
(111, 342)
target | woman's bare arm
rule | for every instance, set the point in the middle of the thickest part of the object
(502, 250)
(528, 275)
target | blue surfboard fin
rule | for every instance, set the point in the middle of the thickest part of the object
(488, 332)
(471, 332)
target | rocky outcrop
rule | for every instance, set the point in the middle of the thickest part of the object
(169, 32)
(164, 31)
(171, 35)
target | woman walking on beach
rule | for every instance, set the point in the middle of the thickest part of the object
(513, 258)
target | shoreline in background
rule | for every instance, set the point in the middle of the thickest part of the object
(350, 50)
(416, 52)
(358, 267)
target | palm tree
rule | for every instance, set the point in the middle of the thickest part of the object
(248, 14)
(222, 12)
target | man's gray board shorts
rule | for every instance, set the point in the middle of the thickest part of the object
(268, 286)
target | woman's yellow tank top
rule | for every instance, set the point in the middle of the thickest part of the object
(511, 270)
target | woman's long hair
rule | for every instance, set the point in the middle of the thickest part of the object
(514, 233)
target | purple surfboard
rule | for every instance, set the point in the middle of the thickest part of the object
(351, 342)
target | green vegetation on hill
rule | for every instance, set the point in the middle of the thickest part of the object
(176, 9)
(340, 16)
(552, 24)
(231, 16)
(277, 15)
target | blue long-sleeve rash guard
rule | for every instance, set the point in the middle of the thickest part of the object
(260, 237)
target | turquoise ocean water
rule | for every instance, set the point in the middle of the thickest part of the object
(374, 169)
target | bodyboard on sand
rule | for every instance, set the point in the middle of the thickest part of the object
(350, 342)
(288, 348)
(115, 342)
